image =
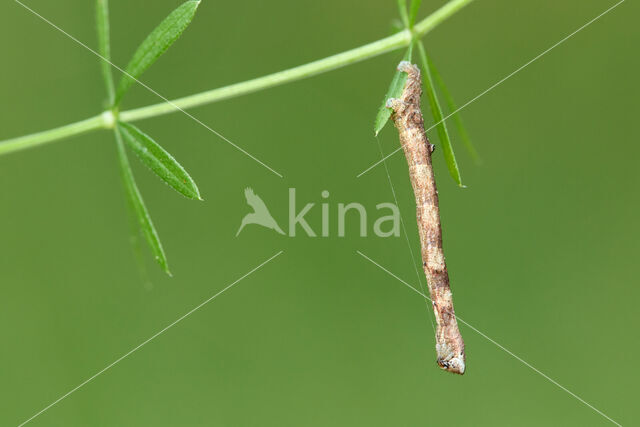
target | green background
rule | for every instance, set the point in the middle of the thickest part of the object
(542, 246)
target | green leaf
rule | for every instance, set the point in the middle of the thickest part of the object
(156, 44)
(102, 23)
(159, 161)
(441, 125)
(137, 205)
(395, 91)
(456, 117)
(413, 11)
(402, 8)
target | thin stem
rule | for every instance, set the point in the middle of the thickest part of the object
(388, 44)
(307, 70)
(370, 50)
(40, 138)
(437, 17)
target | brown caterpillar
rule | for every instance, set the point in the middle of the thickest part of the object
(407, 117)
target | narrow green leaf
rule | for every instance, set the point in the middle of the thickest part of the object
(456, 116)
(102, 23)
(402, 8)
(441, 126)
(413, 11)
(395, 90)
(137, 204)
(159, 161)
(156, 44)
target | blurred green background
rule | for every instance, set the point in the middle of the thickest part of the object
(542, 246)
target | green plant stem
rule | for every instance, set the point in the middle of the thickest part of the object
(388, 44)
(307, 70)
(61, 132)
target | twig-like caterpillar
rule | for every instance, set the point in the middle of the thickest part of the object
(417, 149)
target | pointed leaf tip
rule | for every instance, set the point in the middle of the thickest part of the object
(156, 43)
(159, 161)
(441, 125)
(137, 204)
